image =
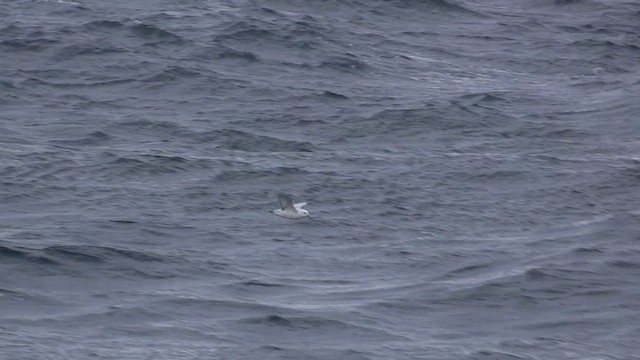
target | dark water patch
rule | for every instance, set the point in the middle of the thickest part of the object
(549, 131)
(292, 352)
(379, 294)
(66, 253)
(74, 260)
(345, 63)
(172, 74)
(497, 355)
(126, 222)
(161, 130)
(44, 169)
(8, 292)
(429, 7)
(314, 325)
(11, 30)
(565, 134)
(283, 32)
(101, 25)
(7, 85)
(498, 175)
(99, 254)
(52, 73)
(537, 285)
(247, 30)
(569, 2)
(597, 29)
(469, 269)
(262, 284)
(308, 27)
(26, 235)
(260, 288)
(251, 175)
(245, 141)
(158, 164)
(565, 323)
(62, 82)
(624, 264)
(567, 6)
(435, 116)
(608, 45)
(608, 293)
(588, 250)
(540, 274)
(153, 32)
(599, 84)
(145, 165)
(415, 9)
(21, 254)
(276, 320)
(96, 138)
(333, 95)
(491, 101)
(34, 45)
(116, 316)
(142, 33)
(28, 305)
(229, 53)
(8, 252)
(77, 50)
(69, 8)
(217, 308)
(487, 294)
(483, 97)
(326, 332)
(572, 277)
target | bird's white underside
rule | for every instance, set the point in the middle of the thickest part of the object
(290, 210)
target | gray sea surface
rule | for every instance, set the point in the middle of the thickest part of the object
(472, 168)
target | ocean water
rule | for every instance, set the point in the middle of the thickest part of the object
(472, 167)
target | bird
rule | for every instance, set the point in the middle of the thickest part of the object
(290, 210)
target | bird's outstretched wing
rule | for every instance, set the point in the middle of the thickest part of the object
(285, 202)
(299, 205)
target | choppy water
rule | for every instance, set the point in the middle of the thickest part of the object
(473, 168)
